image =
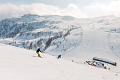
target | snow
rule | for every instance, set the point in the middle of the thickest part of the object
(98, 37)
(21, 64)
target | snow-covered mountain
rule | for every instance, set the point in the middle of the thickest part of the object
(32, 31)
(77, 40)
(62, 34)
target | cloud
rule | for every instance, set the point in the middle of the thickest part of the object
(92, 10)
(11, 10)
(101, 9)
(73, 10)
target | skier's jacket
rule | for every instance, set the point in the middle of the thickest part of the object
(38, 50)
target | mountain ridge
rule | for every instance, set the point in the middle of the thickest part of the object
(57, 34)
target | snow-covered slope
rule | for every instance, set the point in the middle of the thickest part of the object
(94, 43)
(99, 38)
(21, 64)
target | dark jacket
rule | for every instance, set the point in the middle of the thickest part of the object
(59, 56)
(38, 50)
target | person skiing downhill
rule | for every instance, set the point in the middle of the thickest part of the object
(38, 51)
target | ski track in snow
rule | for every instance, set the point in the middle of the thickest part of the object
(94, 43)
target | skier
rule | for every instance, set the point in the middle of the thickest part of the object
(38, 51)
(59, 56)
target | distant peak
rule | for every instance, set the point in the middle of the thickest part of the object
(29, 15)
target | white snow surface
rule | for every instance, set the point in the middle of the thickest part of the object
(21, 64)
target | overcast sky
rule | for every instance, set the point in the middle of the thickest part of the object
(75, 8)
